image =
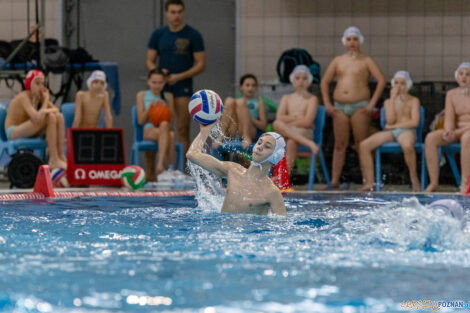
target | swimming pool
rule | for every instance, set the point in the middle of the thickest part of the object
(333, 253)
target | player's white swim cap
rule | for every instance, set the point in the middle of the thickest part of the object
(352, 31)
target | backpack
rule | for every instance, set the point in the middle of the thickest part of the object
(80, 56)
(293, 57)
(56, 59)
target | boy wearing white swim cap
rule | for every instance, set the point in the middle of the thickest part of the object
(456, 129)
(249, 190)
(89, 104)
(352, 102)
(296, 113)
(402, 114)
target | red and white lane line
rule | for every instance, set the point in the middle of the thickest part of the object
(75, 194)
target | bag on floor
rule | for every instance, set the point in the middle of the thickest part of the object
(293, 57)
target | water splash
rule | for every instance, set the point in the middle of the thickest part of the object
(210, 192)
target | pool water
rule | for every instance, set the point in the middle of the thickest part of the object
(333, 253)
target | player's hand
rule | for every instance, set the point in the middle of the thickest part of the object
(394, 92)
(38, 117)
(448, 135)
(388, 126)
(45, 95)
(173, 79)
(157, 102)
(331, 110)
(205, 129)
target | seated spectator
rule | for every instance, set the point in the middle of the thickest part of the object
(246, 115)
(31, 114)
(456, 128)
(295, 115)
(402, 113)
(89, 104)
(164, 133)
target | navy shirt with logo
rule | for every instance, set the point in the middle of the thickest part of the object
(175, 49)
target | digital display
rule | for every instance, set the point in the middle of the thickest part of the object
(97, 147)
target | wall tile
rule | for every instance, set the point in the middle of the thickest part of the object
(397, 25)
(343, 7)
(269, 67)
(289, 26)
(378, 7)
(449, 66)
(272, 46)
(324, 46)
(395, 64)
(415, 66)
(253, 46)
(325, 26)
(466, 48)
(308, 43)
(452, 7)
(397, 45)
(452, 46)
(307, 7)
(254, 26)
(382, 63)
(307, 26)
(415, 46)
(433, 45)
(466, 25)
(5, 30)
(18, 29)
(272, 26)
(433, 25)
(289, 7)
(253, 65)
(433, 7)
(289, 43)
(415, 7)
(415, 25)
(5, 10)
(378, 26)
(272, 8)
(452, 25)
(253, 8)
(397, 7)
(19, 10)
(341, 23)
(432, 67)
(361, 7)
(325, 8)
(363, 23)
(379, 46)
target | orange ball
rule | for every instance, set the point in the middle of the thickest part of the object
(159, 113)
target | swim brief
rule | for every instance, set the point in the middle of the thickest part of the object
(398, 131)
(183, 88)
(8, 131)
(349, 109)
(306, 132)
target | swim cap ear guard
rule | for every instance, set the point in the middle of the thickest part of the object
(461, 66)
(406, 76)
(30, 77)
(278, 153)
(352, 31)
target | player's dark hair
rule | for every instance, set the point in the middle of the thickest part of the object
(156, 71)
(246, 76)
(170, 2)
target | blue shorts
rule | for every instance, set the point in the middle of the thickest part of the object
(8, 131)
(349, 109)
(398, 131)
(183, 88)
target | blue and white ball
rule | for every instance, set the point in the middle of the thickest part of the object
(205, 106)
(133, 177)
(59, 178)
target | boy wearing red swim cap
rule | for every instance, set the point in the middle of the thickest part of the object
(31, 113)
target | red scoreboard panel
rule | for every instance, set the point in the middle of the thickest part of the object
(95, 156)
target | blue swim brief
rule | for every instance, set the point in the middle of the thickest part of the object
(148, 125)
(349, 109)
(8, 131)
(183, 88)
(398, 131)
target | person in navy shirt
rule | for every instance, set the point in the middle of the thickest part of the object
(178, 49)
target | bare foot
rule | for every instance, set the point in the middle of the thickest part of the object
(160, 169)
(463, 189)
(431, 188)
(57, 164)
(366, 187)
(314, 148)
(415, 185)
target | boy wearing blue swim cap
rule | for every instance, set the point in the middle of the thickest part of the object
(249, 190)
